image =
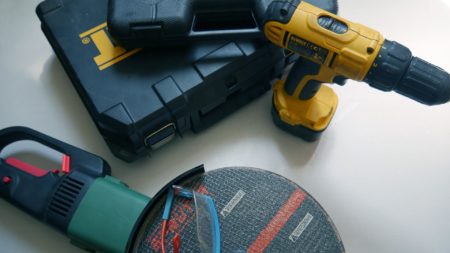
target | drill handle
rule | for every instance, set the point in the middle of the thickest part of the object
(305, 79)
(50, 196)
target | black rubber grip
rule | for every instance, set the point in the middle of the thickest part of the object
(282, 10)
(298, 72)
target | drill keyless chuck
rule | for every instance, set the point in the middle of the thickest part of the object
(396, 69)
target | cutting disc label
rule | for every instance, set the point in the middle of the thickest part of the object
(301, 227)
(232, 204)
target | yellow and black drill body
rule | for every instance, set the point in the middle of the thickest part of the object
(333, 50)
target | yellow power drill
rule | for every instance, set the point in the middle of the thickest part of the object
(333, 50)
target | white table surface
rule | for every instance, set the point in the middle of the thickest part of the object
(381, 170)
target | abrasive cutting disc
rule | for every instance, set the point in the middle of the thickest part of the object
(259, 211)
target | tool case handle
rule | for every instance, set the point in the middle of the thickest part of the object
(148, 23)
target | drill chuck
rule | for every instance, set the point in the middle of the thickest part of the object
(396, 69)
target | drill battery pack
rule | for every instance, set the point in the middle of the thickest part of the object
(142, 98)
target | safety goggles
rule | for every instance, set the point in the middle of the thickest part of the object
(208, 227)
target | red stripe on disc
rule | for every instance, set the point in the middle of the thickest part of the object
(278, 221)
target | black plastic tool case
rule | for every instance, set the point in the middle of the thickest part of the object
(140, 99)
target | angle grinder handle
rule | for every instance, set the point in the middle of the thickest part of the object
(36, 191)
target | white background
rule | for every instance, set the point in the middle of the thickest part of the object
(382, 169)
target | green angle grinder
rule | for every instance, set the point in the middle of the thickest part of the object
(224, 210)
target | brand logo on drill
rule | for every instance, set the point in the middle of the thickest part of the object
(109, 53)
(308, 49)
